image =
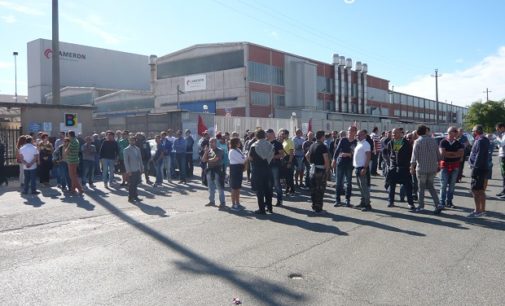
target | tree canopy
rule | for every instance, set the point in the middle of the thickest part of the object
(487, 114)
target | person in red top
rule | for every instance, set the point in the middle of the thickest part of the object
(452, 151)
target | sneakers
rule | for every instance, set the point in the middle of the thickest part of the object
(348, 203)
(438, 210)
(475, 214)
(337, 203)
(412, 207)
(391, 205)
(235, 207)
(279, 203)
(210, 204)
(420, 209)
(260, 212)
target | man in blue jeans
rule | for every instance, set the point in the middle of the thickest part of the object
(276, 164)
(30, 160)
(109, 154)
(452, 151)
(180, 156)
(342, 162)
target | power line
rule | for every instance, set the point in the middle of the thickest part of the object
(321, 34)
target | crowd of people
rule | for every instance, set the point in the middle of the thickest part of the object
(272, 163)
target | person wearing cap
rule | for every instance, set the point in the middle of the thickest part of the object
(190, 142)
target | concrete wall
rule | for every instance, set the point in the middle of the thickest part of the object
(52, 116)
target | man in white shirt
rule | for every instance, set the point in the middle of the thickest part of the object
(500, 141)
(30, 159)
(361, 161)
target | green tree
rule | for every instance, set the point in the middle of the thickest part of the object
(487, 114)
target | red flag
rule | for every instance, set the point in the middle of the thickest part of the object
(201, 126)
(309, 129)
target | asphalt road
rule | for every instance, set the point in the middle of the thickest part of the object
(172, 250)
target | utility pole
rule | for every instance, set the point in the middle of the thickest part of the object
(436, 93)
(56, 55)
(487, 94)
(15, 54)
(179, 91)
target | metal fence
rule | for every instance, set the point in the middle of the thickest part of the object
(9, 137)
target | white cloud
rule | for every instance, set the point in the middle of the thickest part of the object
(4, 65)
(21, 8)
(94, 24)
(9, 19)
(466, 86)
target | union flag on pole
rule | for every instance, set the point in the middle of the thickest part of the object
(201, 126)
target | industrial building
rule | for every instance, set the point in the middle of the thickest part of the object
(245, 79)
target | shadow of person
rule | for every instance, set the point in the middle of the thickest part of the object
(341, 218)
(33, 200)
(270, 293)
(151, 210)
(79, 201)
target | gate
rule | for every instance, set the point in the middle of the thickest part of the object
(9, 137)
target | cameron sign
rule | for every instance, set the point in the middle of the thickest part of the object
(48, 53)
(195, 82)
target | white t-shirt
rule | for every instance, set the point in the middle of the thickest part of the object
(236, 157)
(359, 157)
(29, 151)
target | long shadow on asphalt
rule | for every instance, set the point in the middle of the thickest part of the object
(418, 217)
(341, 218)
(489, 221)
(268, 292)
(79, 201)
(33, 200)
(151, 210)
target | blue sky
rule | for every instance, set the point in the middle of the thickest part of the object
(402, 41)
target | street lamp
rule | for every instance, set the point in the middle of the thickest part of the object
(15, 54)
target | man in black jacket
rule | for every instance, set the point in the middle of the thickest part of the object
(400, 152)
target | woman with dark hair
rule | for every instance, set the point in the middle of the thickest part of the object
(21, 142)
(46, 159)
(237, 160)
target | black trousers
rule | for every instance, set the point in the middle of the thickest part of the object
(189, 162)
(133, 182)
(317, 189)
(400, 176)
(262, 181)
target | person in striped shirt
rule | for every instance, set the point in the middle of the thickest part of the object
(72, 153)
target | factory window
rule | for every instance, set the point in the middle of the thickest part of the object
(123, 106)
(277, 76)
(260, 98)
(279, 100)
(325, 84)
(263, 73)
(259, 73)
(209, 63)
